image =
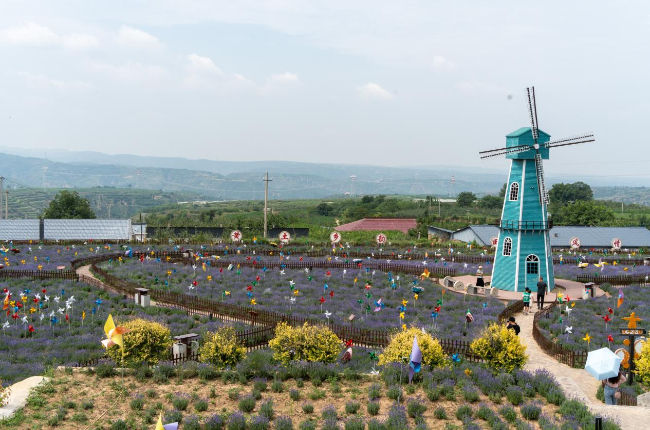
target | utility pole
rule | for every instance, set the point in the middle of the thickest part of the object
(266, 202)
(1, 179)
(438, 206)
(7, 204)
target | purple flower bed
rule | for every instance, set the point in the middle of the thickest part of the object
(24, 353)
(272, 290)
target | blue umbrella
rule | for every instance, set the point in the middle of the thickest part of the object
(603, 363)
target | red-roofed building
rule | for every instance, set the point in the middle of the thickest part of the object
(380, 224)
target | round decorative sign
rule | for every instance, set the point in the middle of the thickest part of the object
(494, 241)
(616, 243)
(285, 237)
(335, 237)
(625, 357)
(235, 236)
(574, 243)
(381, 238)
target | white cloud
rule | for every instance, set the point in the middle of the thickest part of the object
(373, 91)
(79, 41)
(201, 64)
(135, 38)
(441, 63)
(285, 78)
(45, 81)
(30, 34)
(132, 71)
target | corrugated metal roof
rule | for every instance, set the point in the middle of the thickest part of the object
(524, 130)
(380, 224)
(83, 229)
(485, 232)
(600, 237)
(19, 229)
(433, 227)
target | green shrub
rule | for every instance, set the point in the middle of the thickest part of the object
(147, 342)
(79, 417)
(87, 404)
(201, 405)
(433, 394)
(401, 344)
(180, 401)
(266, 409)
(277, 386)
(316, 394)
(233, 393)
(256, 394)
(151, 393)
(470, 394)
(415, 407)
(373, 408)
(395, 392)
(508, 413)
(329, 412)
(515, 395)
(300, 383)
(355, 424)
(283, 423)
(352, 407)
(531, 411)
(306, 343)
(294, 394)
(119, 425)
(207, 372)
(247, 404)
(440, 413)
(463, 412)
(307, 425)
(260, 385)
(374, 392)
(500, 347)
(222, 348)
(307, 408)
(137, 403)
(105, 370)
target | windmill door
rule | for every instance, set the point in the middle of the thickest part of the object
(532, 271)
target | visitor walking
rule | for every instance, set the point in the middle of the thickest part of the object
(479, 277)
(611, 386)
(512, 325)
(526, 300)
(541, 291)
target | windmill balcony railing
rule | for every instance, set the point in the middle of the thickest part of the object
(507, 224)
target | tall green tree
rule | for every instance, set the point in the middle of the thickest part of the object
(587, 213)
(465, 199)
(564, 193)
(69, 205)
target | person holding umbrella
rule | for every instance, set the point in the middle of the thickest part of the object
(605, 366)
(611, 386)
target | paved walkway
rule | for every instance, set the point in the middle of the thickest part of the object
(19, 393)
(577, 383)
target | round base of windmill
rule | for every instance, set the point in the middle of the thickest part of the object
(573, 289)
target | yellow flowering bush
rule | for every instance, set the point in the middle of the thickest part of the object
(306, 343)
(147, 342)
(401, 344)
(222, 348)
(500, 348)
(642, 363)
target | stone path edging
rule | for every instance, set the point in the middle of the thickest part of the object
(19, 393)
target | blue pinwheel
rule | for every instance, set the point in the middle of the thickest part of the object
(98, 302)
(249, 294)
(393, 286)
(27, 291)
(93, 311)
(62, 292)
(402, 308)
(455, 358)
(434, 315)
(326, 287)
(264, 269)
(54, 320)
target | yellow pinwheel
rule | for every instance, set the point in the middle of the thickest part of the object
(114, 334)
(253, 302)
(415, 296)
(209, 277)
(227, 293)
(296, 292)
(403, 326)
(401, 315)
(587, 338)
(404, 302)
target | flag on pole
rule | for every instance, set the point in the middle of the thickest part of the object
(415, 360)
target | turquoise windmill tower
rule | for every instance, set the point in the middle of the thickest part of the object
(523, 251)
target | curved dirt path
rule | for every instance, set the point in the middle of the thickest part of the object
(578, 383)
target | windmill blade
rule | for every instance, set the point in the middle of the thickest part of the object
(587, 137)
(572, 143)
(541, 183)
(503, 149)
(535, 110)
(532, 112)
(520, 148)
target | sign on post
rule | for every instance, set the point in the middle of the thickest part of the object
(616, 243)
(574, 243)
(285, 237)
(236, 236)
(335, 237)
(381, 239)
(494, 241)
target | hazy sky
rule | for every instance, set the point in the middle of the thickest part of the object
(374, 82)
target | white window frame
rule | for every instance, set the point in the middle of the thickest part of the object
(514, 189)
(532, 258)
(507, 241)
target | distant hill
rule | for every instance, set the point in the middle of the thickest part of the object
(638, 195)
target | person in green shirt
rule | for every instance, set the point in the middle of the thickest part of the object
(526, 300)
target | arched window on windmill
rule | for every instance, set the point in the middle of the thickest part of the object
(514, 192)
(532, 264)
(507, 247)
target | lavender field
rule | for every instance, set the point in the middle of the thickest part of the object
(59, 334)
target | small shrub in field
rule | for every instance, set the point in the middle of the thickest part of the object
(137, 403)
(105, 370)
(416, 407)
(266, 409)
(306, 343)
(495, 398)
(500, 347)
(119, 425)
(522, 425)
(397, 419)
(464, 412)
(87, 405)
(330, 424)
(508, 413)
(80, 417)
(515, 395)
(151, 393)
(277, 387)
(233, 393)
(256, 394)
(222, 348)
(531, 411)
(376, 425)
(352, 407)
(484, 412)
(316, 394)
(213, 422)
(433, 394)
(374, 392)
(294, 394)
(147, 342)
(401, 343)
(180, 401)
(300, 383)
(307, 408)
(191, 423)
(237, 421)
(329, 413)
(495, 423)
(207, 372)
(410, 389)
(470, 394)
(259, 422)
(247, 404)
(173, 416)
(283, 423)
(555, 396)
(307, 425)
(440, 413)
(260, 385)
(373, 408)
(201, 405)
(395, 392)
(355, 424)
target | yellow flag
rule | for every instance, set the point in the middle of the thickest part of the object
(159, 426)
(203, 265)
(83, 315)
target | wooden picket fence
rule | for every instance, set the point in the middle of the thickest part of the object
(575, 359)
(40, 274)
(615, 280)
